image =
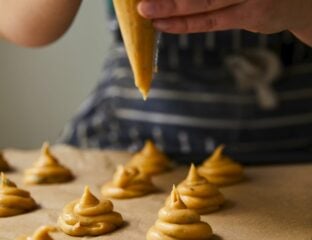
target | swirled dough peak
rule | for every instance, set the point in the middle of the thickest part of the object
(150, 160)
(199, 194)
(177, 222)
(128, 182)
(4, 166)
(89, 216)
(14, 201)
(47, 169)
(41, 233)
(220, 169)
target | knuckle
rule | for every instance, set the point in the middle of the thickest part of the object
(165, 8)
(180, 7)
(262, 17)
(209, 3)
(175, 6)
(190, 25)
(186, 25)
(210, 23)
(202, 24)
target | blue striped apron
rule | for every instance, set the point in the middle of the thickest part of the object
(206, 94)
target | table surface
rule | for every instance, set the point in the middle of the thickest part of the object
(275, 202)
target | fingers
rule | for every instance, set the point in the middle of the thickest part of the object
(154, 9)
(229, 18)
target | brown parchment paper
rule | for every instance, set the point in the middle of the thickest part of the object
(274, 203)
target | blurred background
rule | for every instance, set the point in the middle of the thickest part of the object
(40, 89)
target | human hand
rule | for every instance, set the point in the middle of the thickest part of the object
(264, 16)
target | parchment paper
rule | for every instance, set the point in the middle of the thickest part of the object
(274, 203)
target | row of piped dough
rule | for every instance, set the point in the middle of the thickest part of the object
(92, 217)
(196, 193)
(46, 170)
(175, 220)
(218, 169)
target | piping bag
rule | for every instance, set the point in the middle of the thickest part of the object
(140, 39)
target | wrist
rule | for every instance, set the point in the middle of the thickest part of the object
(304, 34)
(302, 28)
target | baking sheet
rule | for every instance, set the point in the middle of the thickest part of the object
(274, 203)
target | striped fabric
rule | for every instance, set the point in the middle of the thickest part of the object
(196, 103)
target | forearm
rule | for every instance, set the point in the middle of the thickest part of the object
(36, 22)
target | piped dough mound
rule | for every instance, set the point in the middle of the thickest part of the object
(128, 182)
(150, 160)
(220, 169)
(199, 194)
(89, 216)
(47, 170)
(4, 166)
(14, 201)
(42, 233)
(176, 222)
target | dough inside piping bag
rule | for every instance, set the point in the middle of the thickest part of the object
(139, 37)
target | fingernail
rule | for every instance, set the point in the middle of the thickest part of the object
(147, 8)
(161, 24)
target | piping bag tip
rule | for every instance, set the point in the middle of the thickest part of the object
(144, 94)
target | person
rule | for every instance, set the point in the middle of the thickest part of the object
(233, 72)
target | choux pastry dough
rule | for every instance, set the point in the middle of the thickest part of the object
(47, 170)
(14, 201)
(150, 160)
(41, 233)
(139, 38)
(128, 182)
(177, 222)
(89, 216)
(199, 194)
(220, 169)
(4, 166)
